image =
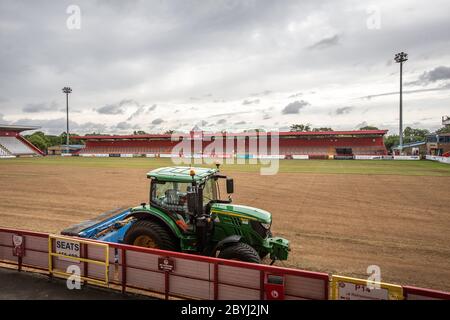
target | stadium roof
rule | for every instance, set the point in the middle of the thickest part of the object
(7, 127)
(241, 134)
(410, 145)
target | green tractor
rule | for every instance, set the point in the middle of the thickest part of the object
(186, 213)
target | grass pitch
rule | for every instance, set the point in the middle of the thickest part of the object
(371, 167)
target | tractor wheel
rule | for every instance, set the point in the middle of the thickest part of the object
(240, 251)
(150, 234)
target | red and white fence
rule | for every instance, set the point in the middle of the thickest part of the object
(193, 276)
(170, 273)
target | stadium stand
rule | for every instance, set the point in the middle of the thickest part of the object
(13, 144)
(4, 152)
(314, 144)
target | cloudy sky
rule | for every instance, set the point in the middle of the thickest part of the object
(222, 64)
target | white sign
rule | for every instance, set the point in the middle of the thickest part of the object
(352, 291)
(406, 157)
(68, 248)
(300, 156)
(17, 240)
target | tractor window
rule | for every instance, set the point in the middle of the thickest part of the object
(209, 191)
(170, 195)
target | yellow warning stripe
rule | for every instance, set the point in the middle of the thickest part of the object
(233, 214)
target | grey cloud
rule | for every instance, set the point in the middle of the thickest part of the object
(229, 114)
(247, 102)
(40, 107)
(140, 110)
(296, 95)
(57, 126)
(343, 110)
(221, 121)
(438, 73)
(129, 102)
(294, 107)
(137, 113)
(203, 123)
(325, 43)
(267, 117)
(209, 39)
(262, 93)
(91, 127)
(110, 109)
(157, 121)
(240, 123)
(123, 125)
(361, 125)
(118, 108)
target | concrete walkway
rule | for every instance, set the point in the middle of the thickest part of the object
(16, 285)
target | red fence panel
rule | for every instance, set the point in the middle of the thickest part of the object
(413, 293)
(190, 276)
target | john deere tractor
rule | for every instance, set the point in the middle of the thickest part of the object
(186, 212)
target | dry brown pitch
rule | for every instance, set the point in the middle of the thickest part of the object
(336, 223)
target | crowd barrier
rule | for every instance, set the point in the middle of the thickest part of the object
(251, 156)
(187, 276)
(171, 274)
(438, 158)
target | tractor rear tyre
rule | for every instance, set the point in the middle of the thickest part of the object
(150, 234)
(240, 251)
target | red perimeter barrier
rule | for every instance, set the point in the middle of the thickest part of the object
(178, 274)
(192, 276)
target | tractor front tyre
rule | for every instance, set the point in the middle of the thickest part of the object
(240, 251)
(150, 234)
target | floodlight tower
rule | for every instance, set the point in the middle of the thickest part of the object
(400, 58)
(67, 90)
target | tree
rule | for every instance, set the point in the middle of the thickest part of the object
(38, 140)
(95, 134)
(442, 130)
(413, 135)
(322, 129)
(300, 127)
(409, 135)
(369, 128)
(391, 141)
(169, 132)
(139, 132)
(255, 130)
(63, 136)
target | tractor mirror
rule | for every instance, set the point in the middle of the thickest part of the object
(191, 201)
(230, 185)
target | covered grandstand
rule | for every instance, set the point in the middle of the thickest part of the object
(320, 144)
(12, 144)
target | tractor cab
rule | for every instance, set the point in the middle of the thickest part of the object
(186, 192)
